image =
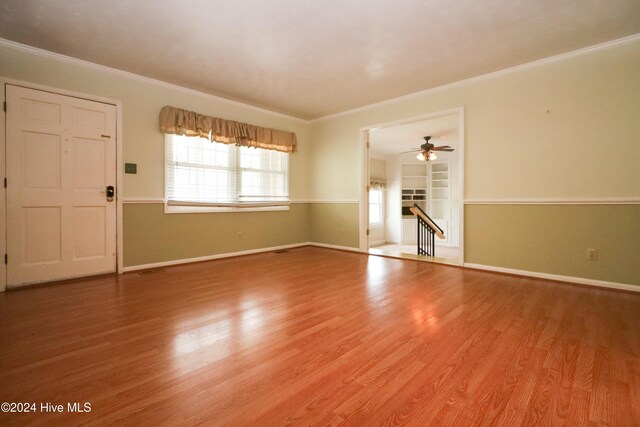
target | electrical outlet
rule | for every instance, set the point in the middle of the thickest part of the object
(239, 234)
(592, 254)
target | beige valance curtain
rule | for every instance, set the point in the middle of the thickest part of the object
(182, 122)
(377, 184)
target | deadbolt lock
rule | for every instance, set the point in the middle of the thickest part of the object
(110, 193)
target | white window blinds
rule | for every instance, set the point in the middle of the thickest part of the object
(200, 172)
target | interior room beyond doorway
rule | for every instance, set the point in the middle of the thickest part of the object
(404, 177)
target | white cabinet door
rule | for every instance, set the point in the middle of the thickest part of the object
(61, 156)
(409, 231)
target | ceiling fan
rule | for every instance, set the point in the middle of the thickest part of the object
(426, 150)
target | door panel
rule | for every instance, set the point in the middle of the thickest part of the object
(90, 221)
(43, 112)
(61, 156)
(38, 222)
(91, 119)
(41, 160)
(86, 154)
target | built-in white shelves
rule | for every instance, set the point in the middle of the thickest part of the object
(414, 194)
(415, 185)
(440, 180)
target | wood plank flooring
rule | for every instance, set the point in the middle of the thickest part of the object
(314, 336)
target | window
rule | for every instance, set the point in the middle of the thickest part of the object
(376, 208)
(205, 174)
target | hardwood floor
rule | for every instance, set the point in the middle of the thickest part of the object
(322, 337)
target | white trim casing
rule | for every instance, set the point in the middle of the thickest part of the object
(556, 277)
(461, 167)
(119, 165)
(119, 188)
(3, 191)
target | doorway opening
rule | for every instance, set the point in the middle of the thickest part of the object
(399, 180)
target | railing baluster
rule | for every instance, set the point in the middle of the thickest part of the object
(426, 235)
(420, 242)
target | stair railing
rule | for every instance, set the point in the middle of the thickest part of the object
(427, 230)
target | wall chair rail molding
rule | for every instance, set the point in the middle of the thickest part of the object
(136, 200)
(334, 201)
(557, 201)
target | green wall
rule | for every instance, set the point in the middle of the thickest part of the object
(152, 236)
(555, 238)
(334, 223)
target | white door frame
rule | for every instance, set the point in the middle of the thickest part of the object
(3, 172)
(364, 177)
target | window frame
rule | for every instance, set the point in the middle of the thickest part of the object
(380, 210)
(177, 207)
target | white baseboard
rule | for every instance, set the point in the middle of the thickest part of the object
(234, 254)
(210, 257)
(377, 243)
(341, 248)
(557, 277)
(548, 276)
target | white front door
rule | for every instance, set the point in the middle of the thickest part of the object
(61, 157)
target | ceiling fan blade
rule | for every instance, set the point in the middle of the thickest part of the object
(442, 149)
(411, 151)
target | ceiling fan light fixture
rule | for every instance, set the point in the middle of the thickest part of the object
(432, 155)
(421, 156)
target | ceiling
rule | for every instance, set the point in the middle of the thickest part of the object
(310, 58)
(394, 140)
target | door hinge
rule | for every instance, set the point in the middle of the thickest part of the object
(4, 105)
(368, 188)
(5, 183)
(6, 258)
(368, 144)
(367, 231)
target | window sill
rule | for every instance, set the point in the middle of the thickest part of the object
(176, 209)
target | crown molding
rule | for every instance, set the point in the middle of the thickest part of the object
(132, 76)
(103, 68)
(518, 68)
